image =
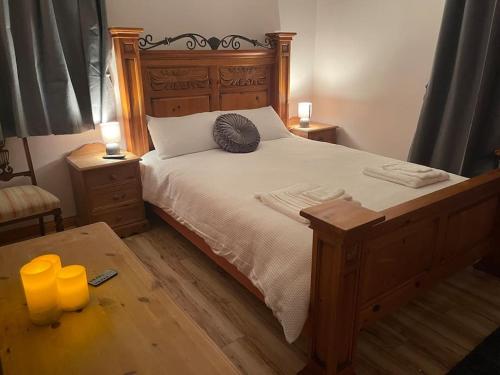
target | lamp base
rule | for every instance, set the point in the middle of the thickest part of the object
(304, 123)
(113, 151)
(118, 156)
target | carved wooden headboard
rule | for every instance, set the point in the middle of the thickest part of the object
(165, 83)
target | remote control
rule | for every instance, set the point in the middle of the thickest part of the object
(105, 276)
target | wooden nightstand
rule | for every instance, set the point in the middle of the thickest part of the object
(107, 190)
(317, 132)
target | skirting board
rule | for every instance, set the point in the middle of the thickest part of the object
(20, 233)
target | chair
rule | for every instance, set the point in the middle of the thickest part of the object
(25, 202)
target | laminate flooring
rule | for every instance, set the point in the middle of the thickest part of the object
(427, 336)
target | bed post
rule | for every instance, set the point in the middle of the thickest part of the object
(339, 227)
(128, 66)
(283, 45)
(491, 262)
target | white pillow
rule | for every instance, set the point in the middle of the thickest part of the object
(266, 120)
(174, 136)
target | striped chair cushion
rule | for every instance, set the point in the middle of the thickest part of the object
(17, 202)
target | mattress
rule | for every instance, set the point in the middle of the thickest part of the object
(212, 193)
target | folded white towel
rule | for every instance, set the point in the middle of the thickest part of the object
(411, 175)
(293, 199)
(322, 194)
(413, 170)
(408, 167)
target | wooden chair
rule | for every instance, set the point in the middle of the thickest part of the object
(25, 202)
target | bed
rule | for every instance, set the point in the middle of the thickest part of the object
(364, 262)
(212, 193)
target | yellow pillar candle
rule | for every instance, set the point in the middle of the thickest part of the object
(52, 258)
(72, 288)
(40, 289)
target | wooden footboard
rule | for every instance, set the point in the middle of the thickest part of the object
(366, 264)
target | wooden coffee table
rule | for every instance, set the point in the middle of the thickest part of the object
(131, 325)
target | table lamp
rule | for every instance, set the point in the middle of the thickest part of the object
(305, 111)
(110, 132)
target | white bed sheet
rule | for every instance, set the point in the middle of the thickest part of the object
(212, 193)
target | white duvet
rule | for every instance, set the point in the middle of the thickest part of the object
(212, 192)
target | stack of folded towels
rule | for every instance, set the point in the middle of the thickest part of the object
(411, 175)
(293, 199)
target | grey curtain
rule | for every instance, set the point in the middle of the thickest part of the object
(459, 125)
(53, 67)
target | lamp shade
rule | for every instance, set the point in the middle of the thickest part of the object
(305, 110)
(110, 132)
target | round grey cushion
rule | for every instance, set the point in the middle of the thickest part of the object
(235, 133)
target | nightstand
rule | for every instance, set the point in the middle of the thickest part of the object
(317, 132)
(107, 190)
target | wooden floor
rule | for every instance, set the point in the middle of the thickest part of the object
(428, 336)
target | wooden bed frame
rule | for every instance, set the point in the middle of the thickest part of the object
(365, 263)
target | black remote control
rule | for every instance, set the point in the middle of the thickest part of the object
(105, 276)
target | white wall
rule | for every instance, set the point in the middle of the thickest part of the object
(218, 18)
(373, 60)
(300, 16)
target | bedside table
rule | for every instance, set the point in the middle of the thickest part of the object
(107, 190)
(317, 132)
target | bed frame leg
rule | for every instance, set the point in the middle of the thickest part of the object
(333, 307)
(335, 280)
(491, 262)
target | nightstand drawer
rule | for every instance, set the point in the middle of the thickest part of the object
(116, 174)
(323, 136)
(105, 198)
(317, 132)
(121, 216)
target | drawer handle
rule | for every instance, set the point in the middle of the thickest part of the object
(117, 197)
(119, 218)
(113, 176)
(376, 308)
